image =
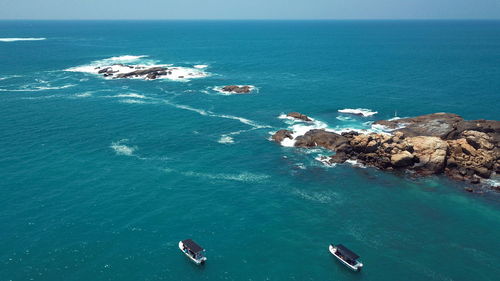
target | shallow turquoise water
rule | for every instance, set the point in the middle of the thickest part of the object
(101, 186)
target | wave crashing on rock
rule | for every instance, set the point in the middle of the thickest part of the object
(430, 144)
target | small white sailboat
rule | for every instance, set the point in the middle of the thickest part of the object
(346, 256)
(193, 251)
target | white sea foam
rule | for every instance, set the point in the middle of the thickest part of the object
(200, 66)
(344, 118)
(118, 65)
(492, 182)
(84, 95)
(130, 95)
(381, 129)
(37, 88)
(299, 128)
(242, 120)
(20, 39)
(121, 148)
(128, 58)
(132, 101)
(355, 163)
(225, 139)
(9, 77)
(325, 160)
(187, 107)
(240, 177)
(358, 111)
(212, 114)
(320, 197)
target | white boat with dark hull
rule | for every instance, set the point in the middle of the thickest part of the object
(346, 256)
(193, 251)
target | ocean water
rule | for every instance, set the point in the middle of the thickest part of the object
(100, 178)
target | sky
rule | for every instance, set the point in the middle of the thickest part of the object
(249, 9)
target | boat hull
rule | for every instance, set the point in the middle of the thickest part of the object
(356, 267)
(197, 261)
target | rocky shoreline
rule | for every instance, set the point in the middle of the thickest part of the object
(439, 143)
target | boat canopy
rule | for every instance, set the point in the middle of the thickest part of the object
(192, 246)
(346, 252)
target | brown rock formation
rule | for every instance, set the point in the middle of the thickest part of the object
(429, 144)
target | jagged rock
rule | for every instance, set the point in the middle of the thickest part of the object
(237, 89)
(141, 72)
(280, 135)
(429, 144)
(431, 153)
(104, 70)
(403, 159)
(317, 137)
(339, 157)
(434, 125)
(299, 116)
(478, 140)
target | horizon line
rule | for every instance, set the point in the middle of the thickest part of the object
(256, 19)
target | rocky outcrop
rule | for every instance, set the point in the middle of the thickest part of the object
(473, 156)
(150, 73)
(280, 135)
(321, 138)
(432, 125)
(234, 89)
(299, 116)
(430, 144)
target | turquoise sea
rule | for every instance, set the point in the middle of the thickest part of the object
(100, 178)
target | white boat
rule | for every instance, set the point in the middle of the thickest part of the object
(346, 256)
(193, 251)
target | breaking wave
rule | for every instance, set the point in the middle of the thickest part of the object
(225, 139)
(358, 111)
(122, 65)
(200, 66)
(300, 128)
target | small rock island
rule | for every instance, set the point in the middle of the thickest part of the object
(235, 89)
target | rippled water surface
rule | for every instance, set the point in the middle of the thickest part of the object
(100, 178)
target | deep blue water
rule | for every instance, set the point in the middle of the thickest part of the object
(99, 179)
